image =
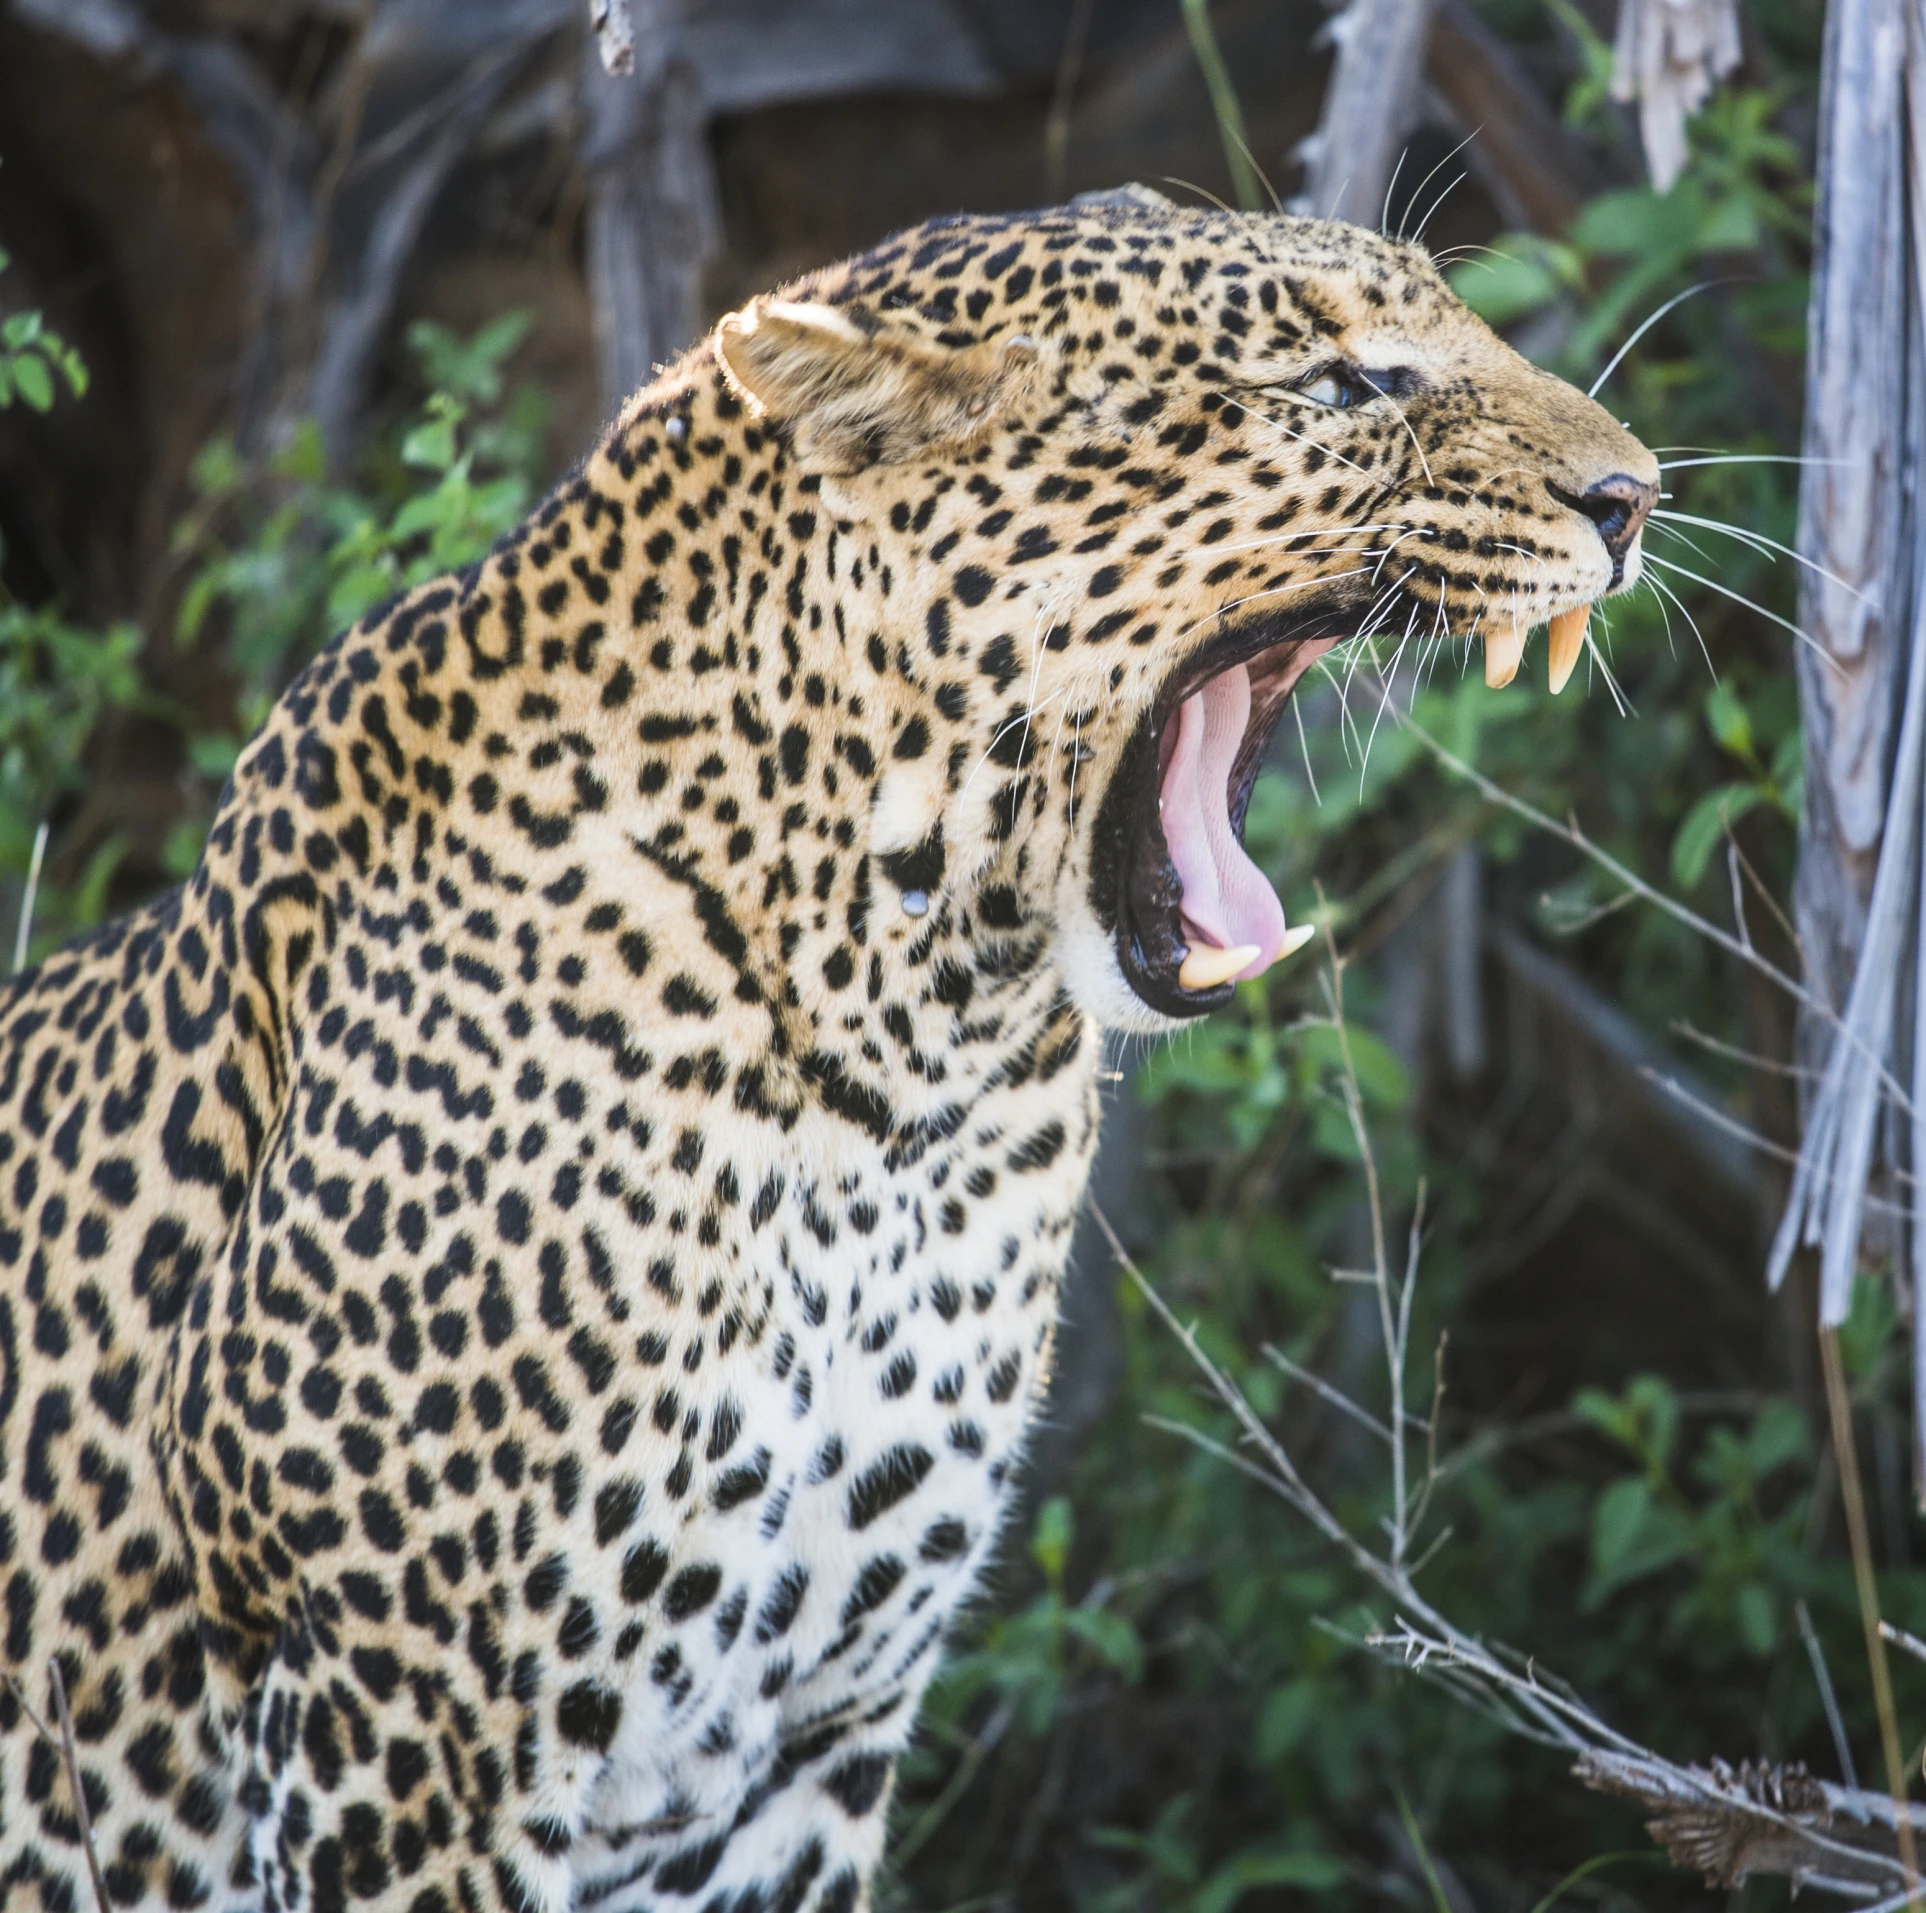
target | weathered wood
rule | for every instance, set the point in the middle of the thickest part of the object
(1369, 109)
(1851, 501)
(614, 35)
(1668, 56)
(1862, 678)
(652, 220)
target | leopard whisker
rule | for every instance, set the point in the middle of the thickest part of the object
(1389, 679)
(1740, 458)
(1277, 425)
(1304, 746)
(1433, 174)
(1617, 358)
(1665, 615)
(1760, 542)
(1466, 248)
(1659, 585)
(1685, 538)
(1602, 664)
(1003, 730)
(1737, 597)
(1417, 238)
(1286, 537)
(1342, 688)
(1273, 591)
(1391, 186)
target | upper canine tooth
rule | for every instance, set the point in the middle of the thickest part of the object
(1567, 642)
(1504, 647)
(1204, 968)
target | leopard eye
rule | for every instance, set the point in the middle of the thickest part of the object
(1329, 390)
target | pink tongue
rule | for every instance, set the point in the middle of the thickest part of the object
(1226, 902)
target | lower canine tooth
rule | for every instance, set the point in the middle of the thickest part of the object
(1504, 647)
(1567, 643)
(1205, 968)
(1294, 941)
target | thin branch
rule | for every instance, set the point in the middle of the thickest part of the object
(72, 1758)
(1333, 1397)
(1828, 1698)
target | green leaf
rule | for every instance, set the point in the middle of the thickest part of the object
(1869, 1328)
(1730, 723)
(181, 850)
(1110, 1637)
(1261, 1867)
(217, 468)
(21, 329)
(213, 754)
(1286, 1718)
(303, 458)
(1381, 1077)
(358, 591)
(1731, 226)
(1633, 1536)
(203, 589)
(430, 446)
(1050, 1539)
(34, 382)
(1758, 1620)
(1705, 826)
(1779, 1435)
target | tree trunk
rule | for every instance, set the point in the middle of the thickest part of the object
(1857, 894)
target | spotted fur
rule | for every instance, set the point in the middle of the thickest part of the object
(522, 1283)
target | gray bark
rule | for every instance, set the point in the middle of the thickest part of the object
(1369, 109)
(1853, 504)
(1862, 681)
(652, 220)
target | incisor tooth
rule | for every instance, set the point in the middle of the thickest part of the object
(1567, 642)
(1204, 968)
(1503, 649)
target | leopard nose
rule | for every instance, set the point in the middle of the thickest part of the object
(1617, 506)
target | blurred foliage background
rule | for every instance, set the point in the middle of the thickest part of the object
(1160, 1703)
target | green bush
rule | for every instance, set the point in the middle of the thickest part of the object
(59, 682)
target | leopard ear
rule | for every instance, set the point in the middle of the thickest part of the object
(855, 391)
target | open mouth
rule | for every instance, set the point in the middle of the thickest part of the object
(1194, 914)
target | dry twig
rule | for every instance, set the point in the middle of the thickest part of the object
(70, 1759)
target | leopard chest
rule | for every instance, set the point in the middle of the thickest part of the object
(855, 1456)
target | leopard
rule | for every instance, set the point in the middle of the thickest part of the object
(524, 1281)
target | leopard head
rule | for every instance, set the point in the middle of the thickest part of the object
(1134, 469)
